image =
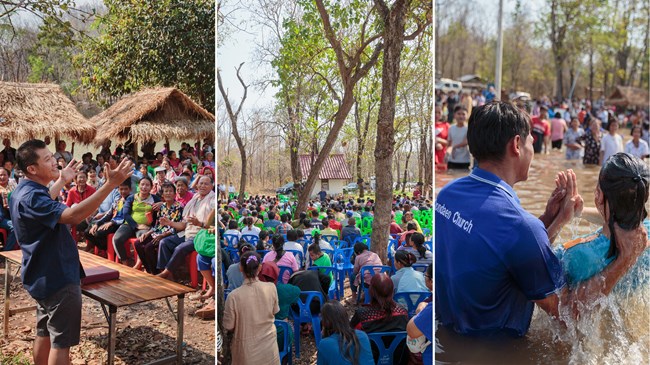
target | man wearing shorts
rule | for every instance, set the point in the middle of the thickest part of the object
(51, 270)
(494, 262)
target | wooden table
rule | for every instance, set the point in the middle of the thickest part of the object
(132, 287)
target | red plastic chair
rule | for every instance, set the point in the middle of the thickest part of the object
(110, 252)
(3, 232)
(190, 260)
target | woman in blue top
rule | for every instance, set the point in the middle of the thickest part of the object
(341, 344)
(620, 198)
(406, 278)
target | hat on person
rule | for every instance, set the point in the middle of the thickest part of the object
(269, 273)
(348, 214)
(160, 169)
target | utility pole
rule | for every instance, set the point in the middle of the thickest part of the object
(497, 72)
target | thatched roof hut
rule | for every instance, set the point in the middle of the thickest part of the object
(36, 110)
(154, 115)
(629, 96)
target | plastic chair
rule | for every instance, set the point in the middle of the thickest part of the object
(305, 316)
(251, 239)
(110, 251)
(308, 238)
(193, 268)
(386, 353)
(263, 252)
(232, 240)
(299, 255)
(225, 294)
(341, 262)
(333, 290)
(329, 238)
(233, 253)
(365, 239)
(411, 299)
(366, 225)
(372, 270)
(283, 269)
(429, 245)
(224, 277)
(348, 241)
(285, 349)
(420, 267)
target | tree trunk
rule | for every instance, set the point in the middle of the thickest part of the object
(559, 91)
(406, 163)
(394, 23)
(233, 116)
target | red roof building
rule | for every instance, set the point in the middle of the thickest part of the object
(333, 176)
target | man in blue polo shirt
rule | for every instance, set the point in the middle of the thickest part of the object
(493, 258)
(50, 267)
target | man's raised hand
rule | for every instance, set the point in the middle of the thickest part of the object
(69, 172)
(120, 173)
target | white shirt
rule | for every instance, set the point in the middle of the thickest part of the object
(255, 231)
(640, 151)
(457, 135)
(611, 145)
(291, 245)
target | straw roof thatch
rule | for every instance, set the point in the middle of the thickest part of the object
(154, 115)
(629, 96)
(36, 110)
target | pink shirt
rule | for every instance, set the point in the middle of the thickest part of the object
(184, 199)
(558, 125)
(287, 259)
(367, 258)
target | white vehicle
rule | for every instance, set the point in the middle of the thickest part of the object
(447, 85)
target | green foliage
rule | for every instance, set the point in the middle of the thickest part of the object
(152, 43)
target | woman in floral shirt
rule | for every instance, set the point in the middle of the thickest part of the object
(592, 143)
(147, 245)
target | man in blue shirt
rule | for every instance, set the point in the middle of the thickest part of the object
(493, 258)
(50, 267)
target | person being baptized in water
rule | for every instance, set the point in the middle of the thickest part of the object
(621, 196)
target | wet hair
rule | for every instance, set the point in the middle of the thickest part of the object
(250, 261)
(26, 154)
(405, 258)
(381, 293)
(278, 246)
(491, 127)
(624, 181)
(334, 319)
(418, 240)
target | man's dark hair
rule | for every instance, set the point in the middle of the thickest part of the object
(26, 154)
(492, 126)
(292, 235)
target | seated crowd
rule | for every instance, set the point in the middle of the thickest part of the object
(276, 268)
(163, 206)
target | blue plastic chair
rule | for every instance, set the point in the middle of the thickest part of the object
(225, 294)
(299, 255)
(411, 299)
(341, 262)
(232, 240)
(305, 316)
(283, 269)
(251, 239)
(233, 253)
(420, 267)
(372, 270)
(309, 238)
(349, 241)
(285, 349)
(333, 290)
(224, 277)
(393, 243)
(429, 245)
(263, 252)
(426, 231)
(329, 238)
(386, 353)
(365, 239)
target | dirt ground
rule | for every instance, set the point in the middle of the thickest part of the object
(145, 332)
